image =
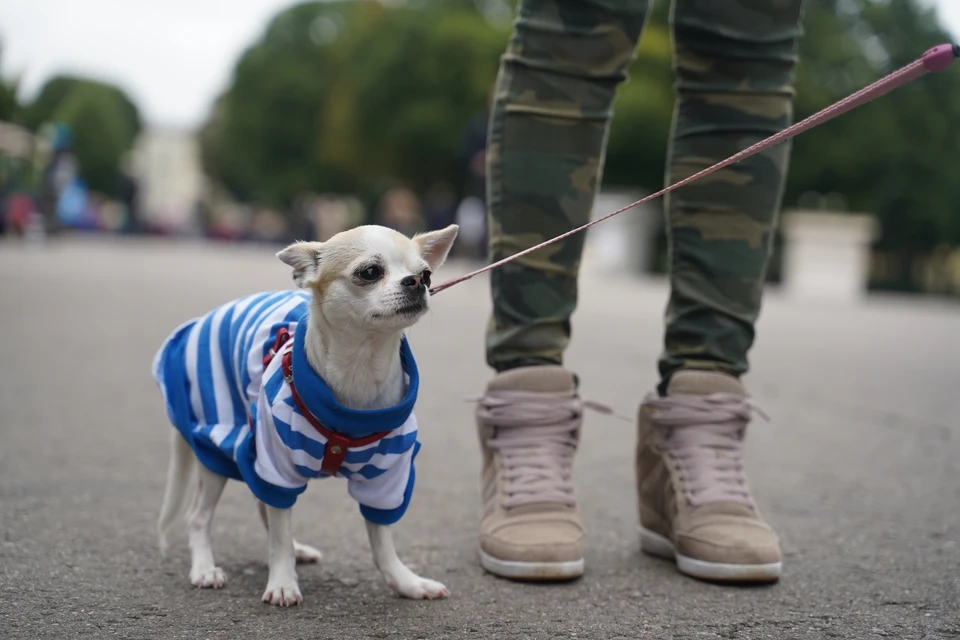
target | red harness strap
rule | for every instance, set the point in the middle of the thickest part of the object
(337, 444)
(282, 336)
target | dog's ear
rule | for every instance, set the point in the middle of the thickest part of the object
(304, 259)
(435, 245)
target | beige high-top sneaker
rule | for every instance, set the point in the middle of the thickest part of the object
(695, 505)
(529, 426)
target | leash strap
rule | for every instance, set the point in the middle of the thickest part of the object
(935, 59)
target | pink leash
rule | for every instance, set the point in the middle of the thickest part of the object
(936, 59)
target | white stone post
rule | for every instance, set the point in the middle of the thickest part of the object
(827, 255)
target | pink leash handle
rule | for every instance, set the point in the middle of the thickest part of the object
(936, 59)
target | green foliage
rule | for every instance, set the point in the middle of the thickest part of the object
(345, 95)
(643, 112)
(58, 89)
(100, 135)
(413, 93)
(263, 138)
(9, 107)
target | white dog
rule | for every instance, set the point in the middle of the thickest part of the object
(335, 399)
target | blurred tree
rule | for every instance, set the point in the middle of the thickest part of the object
(411, 95)
(893, 157)
(52, 94)
(8, 101)
(9, 105)
(263, 139)
(100, 134)
(104, 124)
(643, 110)
(58, 89)
(345, 95)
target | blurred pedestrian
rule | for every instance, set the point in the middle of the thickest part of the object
(471, 212)
(472, 219)
(59, 176)
(439, 206)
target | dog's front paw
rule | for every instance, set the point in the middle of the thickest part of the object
(420, 589)
(283, 595)
(213, 578)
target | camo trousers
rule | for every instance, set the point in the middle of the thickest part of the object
(734, 62)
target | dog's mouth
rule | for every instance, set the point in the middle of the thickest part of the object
(405, 310)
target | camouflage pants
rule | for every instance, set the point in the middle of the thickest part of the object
(734, 63)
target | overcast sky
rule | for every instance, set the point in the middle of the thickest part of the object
(172, 56)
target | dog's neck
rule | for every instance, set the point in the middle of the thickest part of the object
(362, 369)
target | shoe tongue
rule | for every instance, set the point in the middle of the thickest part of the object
(703, 383)
(540, 379)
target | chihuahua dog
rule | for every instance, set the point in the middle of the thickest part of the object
(278, 388)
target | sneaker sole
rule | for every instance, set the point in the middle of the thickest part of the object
(533, 571)
(657, 545)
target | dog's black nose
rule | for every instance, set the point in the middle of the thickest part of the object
(413, 282)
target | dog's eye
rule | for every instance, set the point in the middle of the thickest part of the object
(370, 274)
(425, 277)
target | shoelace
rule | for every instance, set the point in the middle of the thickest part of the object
(704, 434)
(535, 436)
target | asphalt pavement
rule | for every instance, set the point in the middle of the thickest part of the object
(858, 469)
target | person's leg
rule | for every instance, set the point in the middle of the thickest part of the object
(547, 137)
(734, 63)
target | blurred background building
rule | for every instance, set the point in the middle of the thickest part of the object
(166, 164)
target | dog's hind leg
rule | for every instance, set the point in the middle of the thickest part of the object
(305, 553)
(203, 571)
(182, 464)
(397, 575)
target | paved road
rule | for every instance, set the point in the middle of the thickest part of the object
(859, 470)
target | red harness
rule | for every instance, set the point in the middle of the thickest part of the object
(337, 444)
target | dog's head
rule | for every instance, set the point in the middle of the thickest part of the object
(371, 277)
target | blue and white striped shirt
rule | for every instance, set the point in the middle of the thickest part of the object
(215, 387)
